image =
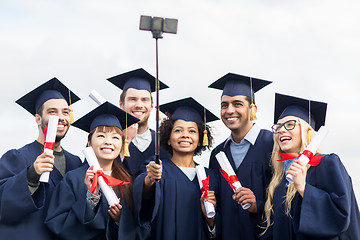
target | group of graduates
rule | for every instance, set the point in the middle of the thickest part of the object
(163, 199)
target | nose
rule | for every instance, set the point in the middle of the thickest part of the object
(108, 140)
(61, 116)
(138, 104)
(281, 129)
(230, 109)
(185, 134)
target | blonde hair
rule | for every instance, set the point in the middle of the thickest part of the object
(307, 133)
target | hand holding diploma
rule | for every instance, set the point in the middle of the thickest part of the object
(49, 144)
(229, 174)
(204, 186)
(104, 180)
(307, 157)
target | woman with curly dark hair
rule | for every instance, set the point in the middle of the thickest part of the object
(167, 196)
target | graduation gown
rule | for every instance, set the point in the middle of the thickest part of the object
(253, 173)
(137, 158)
(70, 217)
(22, 214)
(174, 209)
(328, 209)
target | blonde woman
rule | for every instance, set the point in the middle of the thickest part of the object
(320, 204)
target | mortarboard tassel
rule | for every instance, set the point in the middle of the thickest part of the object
(126, 142)
(309, 137)
(252, 112)
(252, 105)
(126, 148)
(205, 139)
(71, 113)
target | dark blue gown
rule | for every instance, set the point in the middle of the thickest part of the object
(22, 214)
(70, 217)
(137, 158)
(174, 209)
(328, 209)
(253, 173)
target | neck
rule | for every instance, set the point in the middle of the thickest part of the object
(142, 128)
(239, 134)
(106, 165)
(183, 160)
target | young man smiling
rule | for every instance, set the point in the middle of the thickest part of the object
(23, 199)
(136, 99)
(248, 149)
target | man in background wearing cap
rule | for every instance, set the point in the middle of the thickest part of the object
(23, 199)
(248, 149)
(136, 99)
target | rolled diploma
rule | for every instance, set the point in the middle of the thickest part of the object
(50, 138)
(201, 175)
(94, 95)
(226, 166)
(107, 191)
(312, 147)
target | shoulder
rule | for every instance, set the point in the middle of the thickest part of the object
(331, 165)
(331, 159)
(219, 147)
(68, 154)
(265, 137)
(77, 174)
(266, 134)
(30, 148)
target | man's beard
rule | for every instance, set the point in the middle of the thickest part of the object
(57, 138)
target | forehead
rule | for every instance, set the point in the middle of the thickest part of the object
(226, 98)
(138, 93)
(185, 124)
(55, 103)
(107, 129)
(287, 118)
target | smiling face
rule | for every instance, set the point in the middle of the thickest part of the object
(184, 137)
(138, 103)
(58, 107)
(290, 141)
(235, 113)
(107, 143)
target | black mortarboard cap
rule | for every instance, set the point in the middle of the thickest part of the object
(234, 84)
(106, 114)
(293, 106)
(188, 109)
(138, 79)
(52, 89)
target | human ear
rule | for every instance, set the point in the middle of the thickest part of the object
(38, 119)
(121, 105)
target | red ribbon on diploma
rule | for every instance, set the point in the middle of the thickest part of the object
(205, 187)
(313, 160)
(230, 179)
(47, 145)
(110, 181)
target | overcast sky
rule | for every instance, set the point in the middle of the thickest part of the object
(309, 49)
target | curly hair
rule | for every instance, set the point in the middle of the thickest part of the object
(166, 129)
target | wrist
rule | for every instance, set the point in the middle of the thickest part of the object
(149, 181)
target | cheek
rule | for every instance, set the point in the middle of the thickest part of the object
(222, 113)
(277, 139)
(147, 105)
